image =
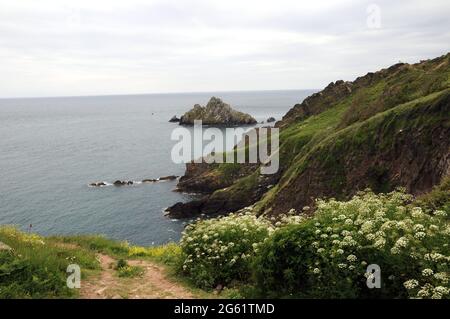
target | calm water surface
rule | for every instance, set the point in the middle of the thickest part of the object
(52, 148)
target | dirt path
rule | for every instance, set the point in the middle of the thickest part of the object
(152, 284)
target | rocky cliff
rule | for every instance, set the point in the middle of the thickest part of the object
(386, 129)
(216, 112)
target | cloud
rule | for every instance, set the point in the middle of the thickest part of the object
(60, 47)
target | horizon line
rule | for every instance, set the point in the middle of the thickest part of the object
(154, 93)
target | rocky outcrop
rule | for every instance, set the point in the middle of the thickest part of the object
(243, 193)
(97, 184)
(271, 119)
(127, 183)
(317, 102)
(168, 178)
(122, 183)
(149, 180)
(216, 112)
(174, 119)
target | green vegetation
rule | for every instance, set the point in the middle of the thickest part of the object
(333, 158)
(326, 255)
(297, 254)
(218, 251)
(36, 267)
(438, 198)
(125, 270)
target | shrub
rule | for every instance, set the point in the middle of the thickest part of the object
(327, 255)
(125, 270)
(438, 198)
(22, 278)
(219, 250)
(168, 254)
(121, 263)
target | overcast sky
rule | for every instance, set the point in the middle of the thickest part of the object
(90, 47)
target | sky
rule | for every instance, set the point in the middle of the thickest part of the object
(100, 47)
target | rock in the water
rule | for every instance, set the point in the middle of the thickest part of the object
(168, 178)
(174, 119)
(149, 180)
(271, 119)
(216, 112)
(97, 184)
(185, 210)
(119, 183)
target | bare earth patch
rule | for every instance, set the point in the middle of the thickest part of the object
(153, 284)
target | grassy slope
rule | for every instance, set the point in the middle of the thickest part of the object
(302, 140)
(36, 265)
(332, 161)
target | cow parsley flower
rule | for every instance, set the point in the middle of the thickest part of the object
(427, 272)
(420, 235)
(416, 212)
(442, 277)
(439, 292)
(440, 213)
(402, 242)
(411, 284)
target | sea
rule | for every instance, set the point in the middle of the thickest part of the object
(51, 149)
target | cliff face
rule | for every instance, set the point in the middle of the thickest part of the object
(408, 146)
(385, 129)
(216, 112)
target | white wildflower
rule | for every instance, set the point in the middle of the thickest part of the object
(427, 272)
(442, 277)
(420, 235)
(440, 213)
(411, 284)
